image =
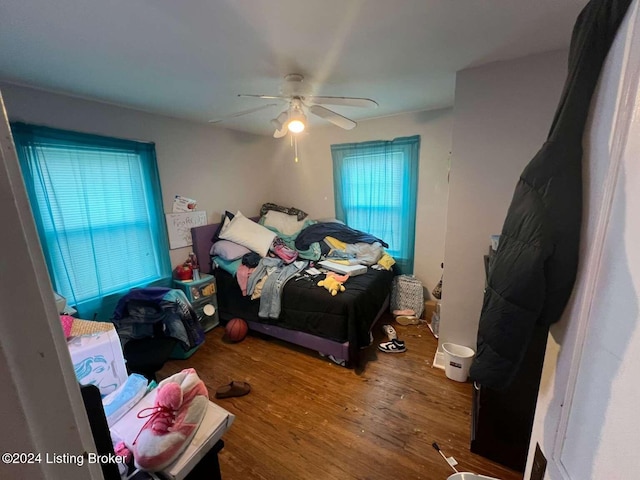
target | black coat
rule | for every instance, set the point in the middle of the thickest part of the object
(532, 274)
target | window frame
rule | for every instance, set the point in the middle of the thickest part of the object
(408, 148)
(29, 137)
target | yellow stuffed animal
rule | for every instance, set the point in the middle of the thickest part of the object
(333, 283)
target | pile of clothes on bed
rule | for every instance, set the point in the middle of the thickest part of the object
(264, 256)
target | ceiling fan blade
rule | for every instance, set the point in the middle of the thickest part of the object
(243, 112)
(345, 101)
(333, 117)
(269, 97)
(281, 133)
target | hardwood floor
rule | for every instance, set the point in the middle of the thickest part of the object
(307, 418)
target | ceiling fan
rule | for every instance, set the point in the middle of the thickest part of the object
(299, 101)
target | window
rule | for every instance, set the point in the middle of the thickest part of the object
(375, 187)
(97, 205)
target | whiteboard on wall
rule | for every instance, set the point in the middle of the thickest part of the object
(179, 226)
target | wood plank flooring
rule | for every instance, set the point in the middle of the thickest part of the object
(307, 418)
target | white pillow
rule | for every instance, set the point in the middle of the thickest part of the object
(287, 224)
(225, 224)
(248, 233)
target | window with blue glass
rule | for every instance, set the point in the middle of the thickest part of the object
(376, 190)
(97, 206)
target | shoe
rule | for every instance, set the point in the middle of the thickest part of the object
(180, 404)
(390, 332)
(408, 320)
(394, 346)
(403, 312)
(233, 389)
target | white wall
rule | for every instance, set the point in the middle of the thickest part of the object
(502, 115)
(308, 184)
(220, 168)
(586, 418)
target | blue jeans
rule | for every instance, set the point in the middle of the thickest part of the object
(271, 298)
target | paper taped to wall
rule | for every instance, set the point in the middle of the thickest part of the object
(184, 204)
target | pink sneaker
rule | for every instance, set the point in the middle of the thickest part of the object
(180, 405)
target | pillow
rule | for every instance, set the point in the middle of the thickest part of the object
(231, 267)
(248, 233)
(288, 210)
(287, 224)
(224, 222)
(228, 250)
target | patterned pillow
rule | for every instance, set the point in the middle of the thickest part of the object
(278, 208)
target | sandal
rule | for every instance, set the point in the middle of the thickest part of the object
(408, 320)
(390, 332)
(394, 346)
(234, 389)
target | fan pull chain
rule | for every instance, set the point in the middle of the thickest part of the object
(295, 142)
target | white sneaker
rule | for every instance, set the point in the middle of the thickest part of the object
(394, 346)
(390, 332)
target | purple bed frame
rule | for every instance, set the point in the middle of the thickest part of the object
(202, 236)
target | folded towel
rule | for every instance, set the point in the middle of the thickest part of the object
(124, 398)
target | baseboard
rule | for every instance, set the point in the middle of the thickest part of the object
(431, 328)
(438, 360)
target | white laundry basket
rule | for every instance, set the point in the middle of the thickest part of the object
(457, 361)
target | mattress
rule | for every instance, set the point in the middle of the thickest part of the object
(308, 308)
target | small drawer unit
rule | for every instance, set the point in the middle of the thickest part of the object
(202, 295)
(207, 310)
(197, 289)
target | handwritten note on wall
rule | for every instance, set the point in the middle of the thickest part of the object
(179, 226)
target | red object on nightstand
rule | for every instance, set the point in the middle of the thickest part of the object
(183, 272)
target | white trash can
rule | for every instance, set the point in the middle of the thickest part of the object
(457, 361)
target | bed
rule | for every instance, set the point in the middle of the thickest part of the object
(337, 326)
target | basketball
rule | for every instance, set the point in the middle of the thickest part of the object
(236, 329)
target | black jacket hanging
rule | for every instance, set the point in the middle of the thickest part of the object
(532, 274)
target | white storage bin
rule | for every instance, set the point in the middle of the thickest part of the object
(98, 360)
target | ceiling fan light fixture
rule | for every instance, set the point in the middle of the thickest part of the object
(300, 100)
(296, 126)
(277, 124)
(297, 121)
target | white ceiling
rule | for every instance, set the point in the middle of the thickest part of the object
(190, 58)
